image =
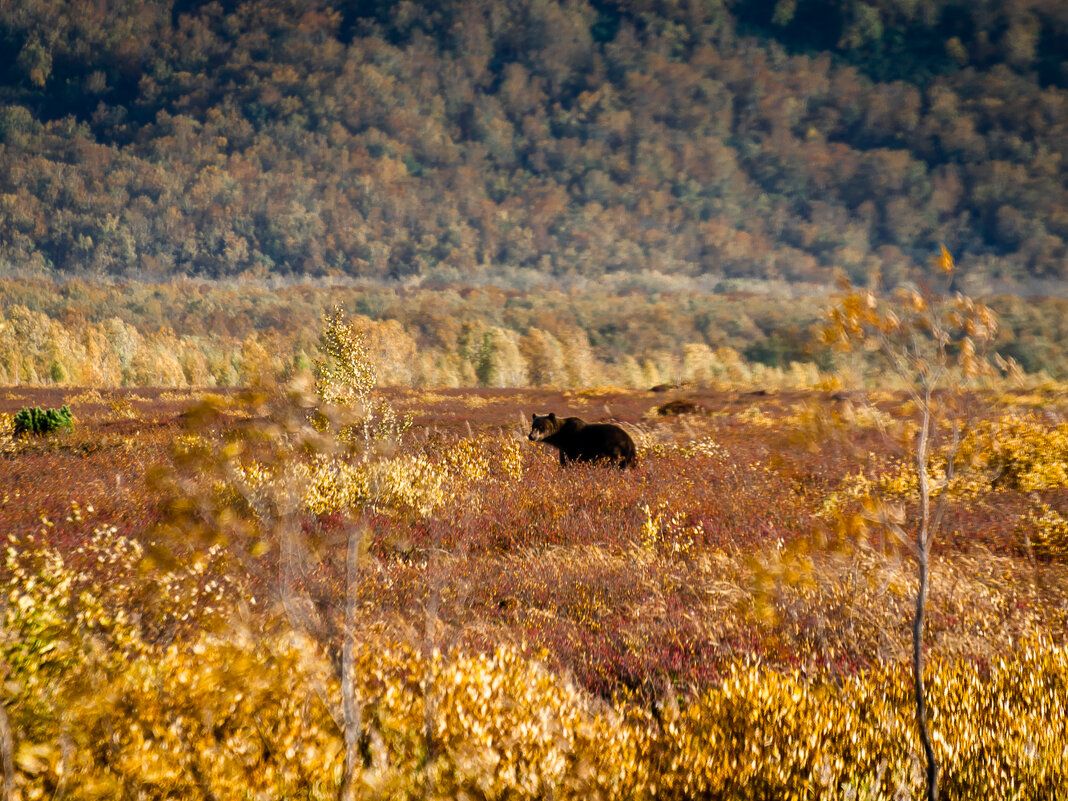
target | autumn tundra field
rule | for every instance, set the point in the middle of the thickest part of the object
(247, 595)
(252, 552)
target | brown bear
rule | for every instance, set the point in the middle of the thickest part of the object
(578, 441)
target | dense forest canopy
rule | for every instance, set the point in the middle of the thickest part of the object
(533, 140)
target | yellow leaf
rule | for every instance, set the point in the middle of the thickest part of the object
(33, 758)
(945, 261)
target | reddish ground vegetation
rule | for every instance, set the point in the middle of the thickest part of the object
(718, 545)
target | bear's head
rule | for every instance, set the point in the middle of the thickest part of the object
(543, 425)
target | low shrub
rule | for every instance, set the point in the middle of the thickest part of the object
(1020, 452)
(1047, 531)
(39, 422)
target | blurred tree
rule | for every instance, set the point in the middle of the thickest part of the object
(544, 357)
(934, 343)
(500, 363)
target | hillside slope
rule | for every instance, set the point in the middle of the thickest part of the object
(468, 140)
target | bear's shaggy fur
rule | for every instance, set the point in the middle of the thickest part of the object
(578, 441)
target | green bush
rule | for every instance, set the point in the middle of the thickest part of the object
(38, 421)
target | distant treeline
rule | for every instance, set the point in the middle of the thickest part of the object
(188, 333)
(460, 139)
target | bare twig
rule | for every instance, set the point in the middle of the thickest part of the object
(352, 711)
(924, 539)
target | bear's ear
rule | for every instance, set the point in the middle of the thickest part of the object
(533, 415)
(552, 415)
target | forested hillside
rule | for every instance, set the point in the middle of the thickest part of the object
(467, 140)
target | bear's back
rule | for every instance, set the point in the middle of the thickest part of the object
(589, 442)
